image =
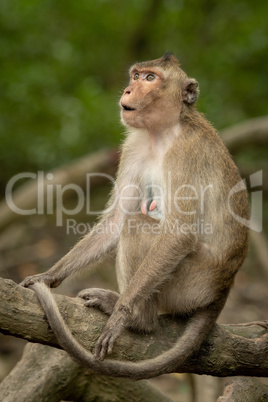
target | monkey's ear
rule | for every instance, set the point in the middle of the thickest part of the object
(190, 91)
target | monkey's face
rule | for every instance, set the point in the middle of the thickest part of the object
(150, 100)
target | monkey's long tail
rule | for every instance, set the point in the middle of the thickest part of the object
(191, 340)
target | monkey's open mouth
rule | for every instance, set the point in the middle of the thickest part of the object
(127, 108)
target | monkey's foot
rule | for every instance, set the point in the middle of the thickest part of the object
(101, 298)
(113, 328)
(46, 278)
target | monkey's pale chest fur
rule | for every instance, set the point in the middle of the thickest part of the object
(145, 171)
(146, 153)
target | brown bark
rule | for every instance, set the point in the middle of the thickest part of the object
(244, 389)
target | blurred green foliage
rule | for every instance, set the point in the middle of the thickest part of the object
(64, 63)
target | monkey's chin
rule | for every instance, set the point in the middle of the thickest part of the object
(129, 120)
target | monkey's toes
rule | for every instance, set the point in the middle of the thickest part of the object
(85, 294)
(104, 346)
(101, 298)
(92, 303)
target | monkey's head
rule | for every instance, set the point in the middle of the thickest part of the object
(158, 91)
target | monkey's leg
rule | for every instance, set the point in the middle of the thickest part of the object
(144, 317)
(103, 299)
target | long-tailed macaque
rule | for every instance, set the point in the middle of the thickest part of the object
(176, 218)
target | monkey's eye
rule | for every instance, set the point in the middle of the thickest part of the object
(150, 77)
(136, 76)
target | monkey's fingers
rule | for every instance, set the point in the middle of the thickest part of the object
(27, 281)
(45, 278)
(31, 280)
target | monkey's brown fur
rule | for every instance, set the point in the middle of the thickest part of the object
(181, 254)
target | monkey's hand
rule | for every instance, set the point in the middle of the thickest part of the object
(112, 330)
(45, 277)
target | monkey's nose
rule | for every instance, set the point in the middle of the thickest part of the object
(127, 91)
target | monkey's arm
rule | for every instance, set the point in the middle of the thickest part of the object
(100, 241)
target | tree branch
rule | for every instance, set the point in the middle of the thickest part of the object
(47, 374)
(259, 241)
(228, 350)
(26, 196)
